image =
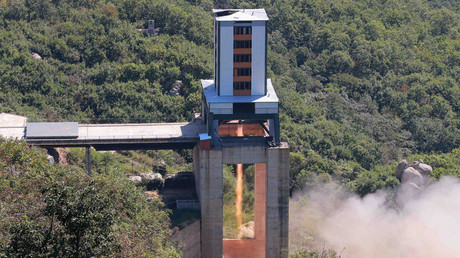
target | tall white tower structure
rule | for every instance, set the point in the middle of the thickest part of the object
(240, 90)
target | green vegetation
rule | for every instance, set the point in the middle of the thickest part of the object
(132, 162)
(315, 254)
(48, 210)
(96, 66)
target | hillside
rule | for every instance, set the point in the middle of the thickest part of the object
(362, 84)
(52, 211)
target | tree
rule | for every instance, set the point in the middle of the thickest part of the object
(64, 213)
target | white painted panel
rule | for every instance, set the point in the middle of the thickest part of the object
(261, 111)
(266, 111)
(222, 105)
(267, 105)
(222, 111)
(258, 58)
(12, 132)
(226, 59)
(227, 111)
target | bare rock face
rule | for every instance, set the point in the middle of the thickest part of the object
(135, 179)
(50, 159)
(414, 174)
(151, 176)
(400, 168)
(175, 89)
(410, 175)
(36, 56)
(152, 180)
(424, 169)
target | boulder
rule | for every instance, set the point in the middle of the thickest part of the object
(36, 56)
(151, 176)
(153, 181)
(135, 179)
(50, 159)
(411, 175)
(400, 168)
(423, 169)
(175, 88)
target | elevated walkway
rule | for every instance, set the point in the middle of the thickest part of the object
(116, 136)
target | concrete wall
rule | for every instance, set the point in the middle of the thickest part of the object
(266, 108)
(260, 205)
(244, 155)
(221, 108)
(277, 201)
(272, 183)
(208, 166)
(258, 58)
(226, 59)
(189, 239)
(13, 132)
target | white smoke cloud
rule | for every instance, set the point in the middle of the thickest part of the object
(419, 224)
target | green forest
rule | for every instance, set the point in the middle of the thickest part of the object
(55, 211)
(362, 84)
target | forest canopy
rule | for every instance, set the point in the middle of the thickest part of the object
(53, 211)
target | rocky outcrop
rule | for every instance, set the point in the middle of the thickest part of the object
(150, 180)
(135, 179)
(415, 174)
(400, 168)
(36, 56)
(176, 88)
(50, 159)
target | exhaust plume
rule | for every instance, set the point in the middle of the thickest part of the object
(239, 190)
(414, 223)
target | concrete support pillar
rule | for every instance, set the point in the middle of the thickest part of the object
(88, 160)
(271, 128)
(277, 219)
(196, 170)
(276, 120)
(260, 206)
(271, 200)
(209, 173)
(215, 133)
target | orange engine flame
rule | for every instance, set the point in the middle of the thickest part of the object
(239, 191)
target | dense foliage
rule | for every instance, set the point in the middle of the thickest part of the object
(47, 210)
(362, 84)
(96, 66)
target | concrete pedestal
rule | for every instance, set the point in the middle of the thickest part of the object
(271, 200)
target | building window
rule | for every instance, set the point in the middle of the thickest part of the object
(242, 44)
(247, 30)
(241, 85)
(242, 72)
(241, 58)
